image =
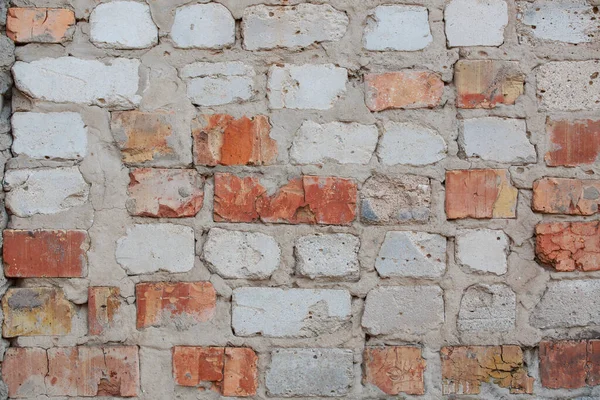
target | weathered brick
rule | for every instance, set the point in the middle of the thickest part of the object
(41, 25)
(482, 250)
(568, 85)
(465, 368)
(45, 253)
(568, 303)
(309, 86)
(220, 139)
(487, 83)
(151, 139)
(476, 22)
(103, 307)
(395, 369)
(344, 143)
(310, 372)
(573, 143)
(240, 375)
(487, 308)
(165, 193)
(36, 311)
(566, 196)
(411, 144)
(203, 26)
(327, 256)
(403, 309)
(310, 200)
(123, 25)
(44, 190)
(162, 302)
(24, 370)
(292, 27)
(391, 200)
(274, 312)
(397, 27)
(404, 89)
(569, 246)
(480, 193)
(237, 254)
(74, 80)
(563, 364)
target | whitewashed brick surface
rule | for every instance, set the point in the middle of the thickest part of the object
(476, 22)
(398, 27)
(327, 256)
(487, 308)
(482, 250)
(123, 25)
(211, 84)
(203, 26)
(410, 144)
(567, 304)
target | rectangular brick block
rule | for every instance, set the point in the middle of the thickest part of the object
(45, 253)
(404, 89)
(465, 368)
(231, 371)
(563, 364)
(103, 305)
(395, 369)
(480, 193)
(306, 200)
(41, 25)
(573, 143)
(566, 196)
(569, 246)
(24, 370)
(163, 302)
(36, 311)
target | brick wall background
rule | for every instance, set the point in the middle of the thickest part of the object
(271, 199)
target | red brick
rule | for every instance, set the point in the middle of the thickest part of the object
(573, 143)
(569, 246)
(464, 368)
(220, 139)
(24, 370)
(240, 377)
(45, 253)
(43, 25)
(563, 364)
(403, 89)
(165, 193)
(487, 83)
(593, 362)
(158, 303)
(395, 369)
(103, 305)
(566, 196)
(480, 193)
(308, 200)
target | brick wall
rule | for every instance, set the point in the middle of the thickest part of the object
(272, 199)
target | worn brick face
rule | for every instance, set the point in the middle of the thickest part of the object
(395, 369)
(487, 83)
(240, 377)
(566, 196)
(573, 143)
(187, 302)
(24, 370)
(103, 305)
(45, 253)
(41, 25)
(569, 246)
(404, 89)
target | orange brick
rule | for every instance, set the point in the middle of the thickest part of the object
(573, 143)
(566, 196)
(395, 369)
(563, 364)
(240, 378)
(24, 370)
(404, 89)
(103, 305)
(42, 25)
(569, 246)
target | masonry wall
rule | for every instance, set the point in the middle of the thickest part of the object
(273, 199)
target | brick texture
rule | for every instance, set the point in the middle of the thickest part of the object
(573, 143)
(41, 25)
(404, 89)
(569, 364)
(395, 369)
(566, 196)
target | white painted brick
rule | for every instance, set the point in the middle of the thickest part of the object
(487, 308)
(344, 143)
(476, 22)
(403, 309)
(204, 26)
(498, 139)
(113, 83)
(148, 248)
(570, 21)
(403, 28)
(211, 84)
(412, 254)
(123, 25)
(482, 250)
(410, 144)
(565, 86)
(309, 86)
(291, 27)
(59, 135)
(568, 303)
(236, 254)
(328, 256)
(44, 190)
(274, 312)
(310, 372)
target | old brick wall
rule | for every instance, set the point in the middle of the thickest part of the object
(273, 199)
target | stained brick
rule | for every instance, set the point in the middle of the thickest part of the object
(220, 139)
(161, 302)
(23, 371)
(465, 368)
(482, 193)
(395, 369)
(563, 364)
(42, 25)
(309, 200)
(573, 143)
(404, 89)
(240, 378)
(45, 253)
(103, 305)
(566, 196)
(569, 246)
(165, 193)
